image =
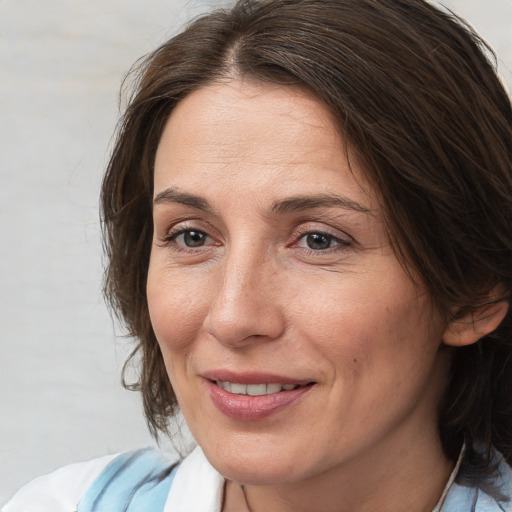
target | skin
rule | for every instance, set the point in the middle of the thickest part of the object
(312, 292)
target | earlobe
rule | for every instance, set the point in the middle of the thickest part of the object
(475, 325)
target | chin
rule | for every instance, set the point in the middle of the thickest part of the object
(257, 466)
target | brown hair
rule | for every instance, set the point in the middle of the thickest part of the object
(415, 94)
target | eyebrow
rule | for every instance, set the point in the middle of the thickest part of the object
(172, 195)
(289, 205)
(299, 203)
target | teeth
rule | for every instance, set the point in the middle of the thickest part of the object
(254, 389)
(257, 389)
(273, 388)
(238, 389)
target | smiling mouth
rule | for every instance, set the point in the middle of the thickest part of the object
(236, 388)
(255, 401)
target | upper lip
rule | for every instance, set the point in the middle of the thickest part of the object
(252, 377)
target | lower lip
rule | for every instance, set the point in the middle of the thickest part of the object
(253, 408)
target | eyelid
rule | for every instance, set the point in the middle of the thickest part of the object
(168, 235)
(183, 223)
(315, 228)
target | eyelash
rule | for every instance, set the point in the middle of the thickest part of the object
(340, 243)
(169, 240)
(335, 243)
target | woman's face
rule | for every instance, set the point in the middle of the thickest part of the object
(294, 340)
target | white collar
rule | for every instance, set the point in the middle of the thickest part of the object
(197, 486)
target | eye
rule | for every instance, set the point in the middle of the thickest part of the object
(318, 241)
(191, 238)
(183, 239)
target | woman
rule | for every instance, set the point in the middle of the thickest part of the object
(308, 221)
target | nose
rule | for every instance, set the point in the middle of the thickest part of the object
(245, 306)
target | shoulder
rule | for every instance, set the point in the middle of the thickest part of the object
(133, 481)
(59, 491)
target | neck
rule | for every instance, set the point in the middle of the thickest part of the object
(389, 479)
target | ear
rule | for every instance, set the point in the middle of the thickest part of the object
(475, 325)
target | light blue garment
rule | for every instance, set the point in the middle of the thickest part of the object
(468, 499)
(461, 498)
(133, 482)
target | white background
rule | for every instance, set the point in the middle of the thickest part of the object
(61, 65)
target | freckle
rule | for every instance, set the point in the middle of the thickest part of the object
(355, 360)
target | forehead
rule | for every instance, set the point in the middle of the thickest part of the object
(258, 134)
(251, 103)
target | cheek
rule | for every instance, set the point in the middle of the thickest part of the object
(176, 317)
(400, 347)
(177, 310)
(361, 331)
